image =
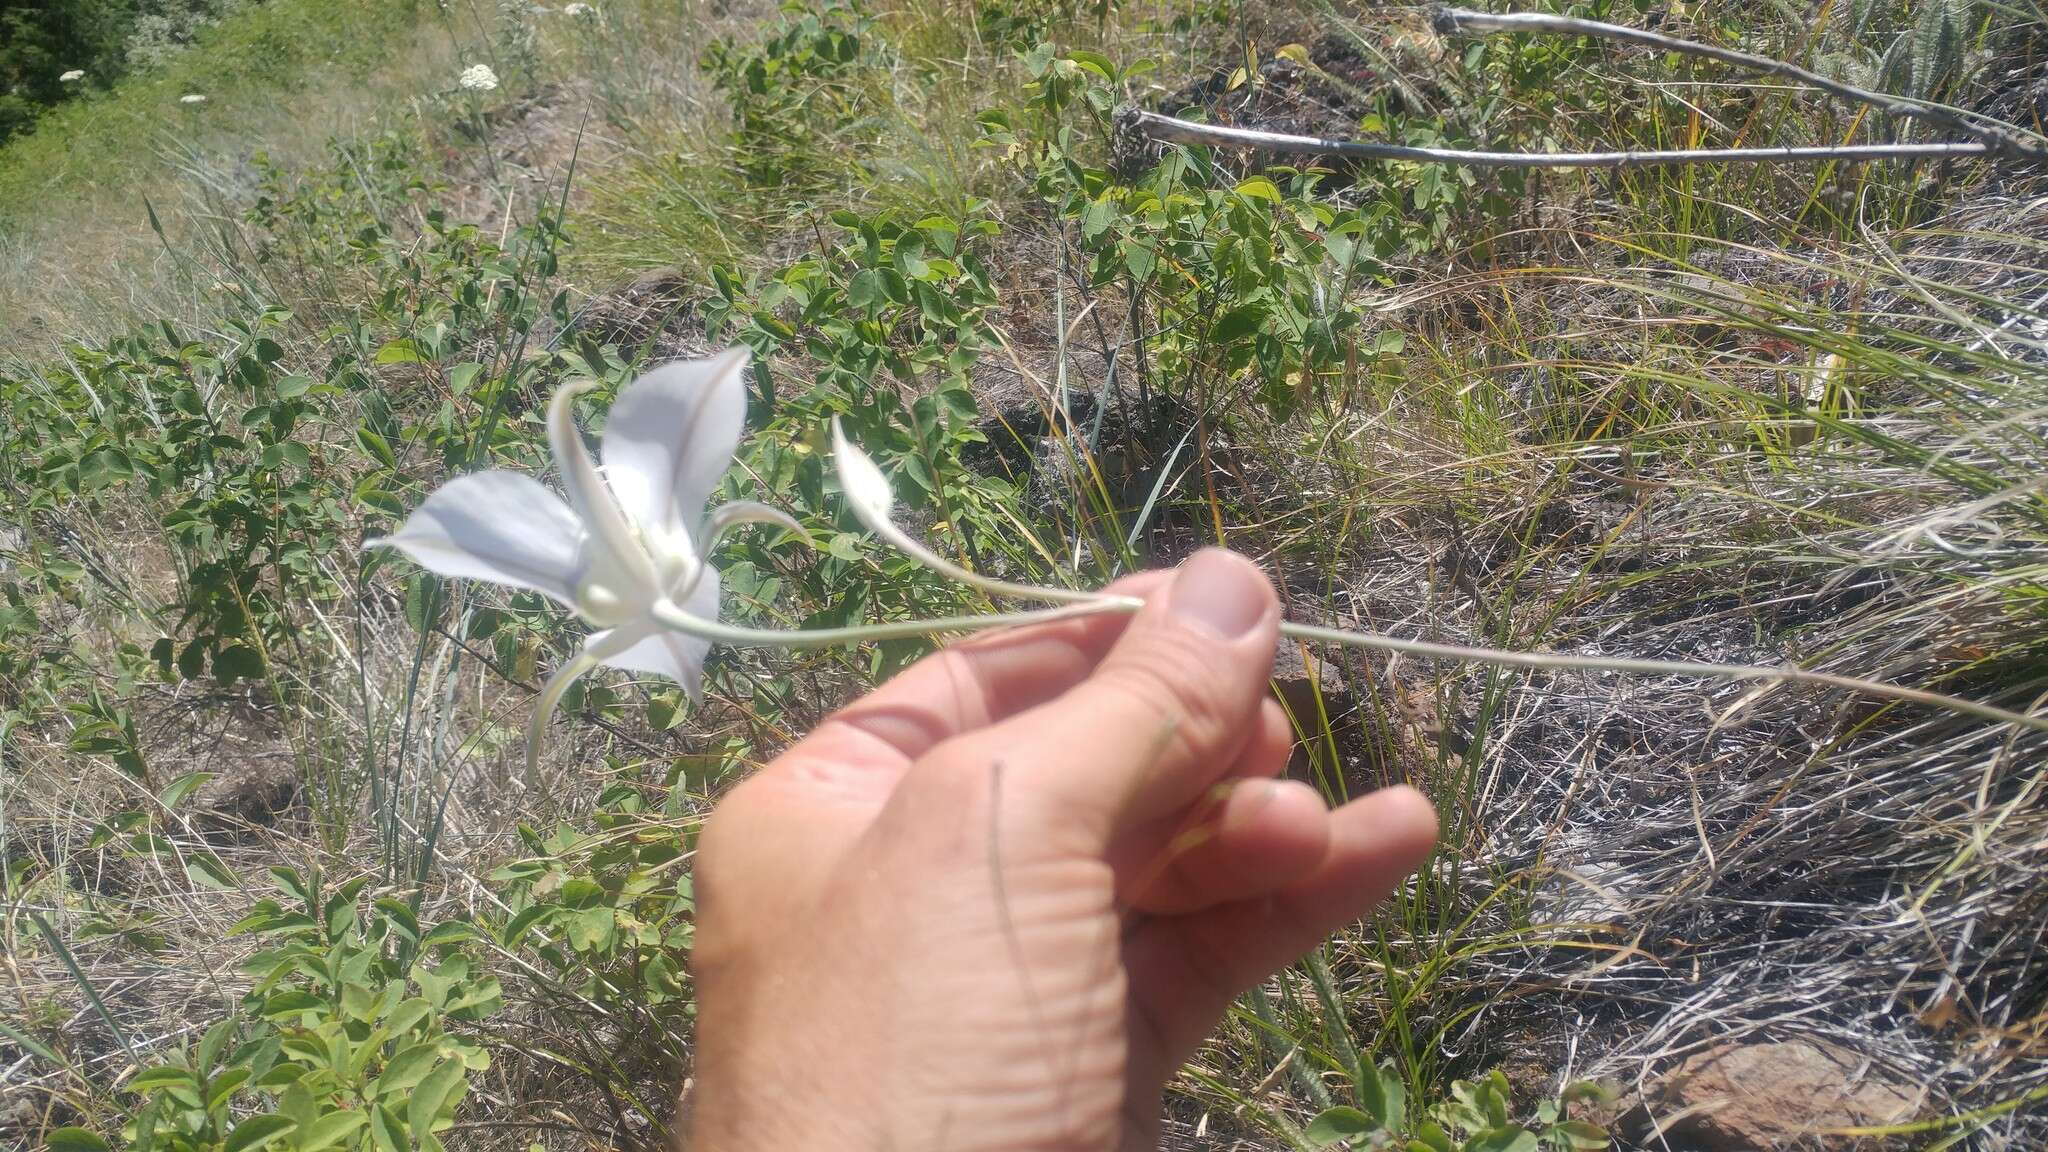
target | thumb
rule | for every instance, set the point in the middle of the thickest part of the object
(1162, 717)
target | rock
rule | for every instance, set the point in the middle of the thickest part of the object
(643, 310)
(246, 797)
(1312, 690)
(1784, 1095)
(1299, 677)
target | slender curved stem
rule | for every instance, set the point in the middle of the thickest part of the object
(995, 587)
(674, 617)
(671, 616)
(1501, 657)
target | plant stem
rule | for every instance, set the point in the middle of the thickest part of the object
(1505, 658)
(673, 617)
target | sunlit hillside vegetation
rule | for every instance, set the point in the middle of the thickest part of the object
(277, 873)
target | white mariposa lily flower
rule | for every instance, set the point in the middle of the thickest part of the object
(632, 538)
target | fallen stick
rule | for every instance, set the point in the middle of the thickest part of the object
(1173, 130)
(1998, 139)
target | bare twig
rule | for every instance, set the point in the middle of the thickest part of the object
(1176, 131)
(1997, 139)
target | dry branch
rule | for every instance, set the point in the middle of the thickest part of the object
(1172, 130)
(1988, 139)
(1998, 139)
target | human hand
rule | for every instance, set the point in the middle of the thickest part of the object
(996, 903)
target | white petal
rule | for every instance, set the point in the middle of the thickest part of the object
(671, 435)
(678, 657)
(499, 526)
(597, 647)
(865, 486)
(592, 500)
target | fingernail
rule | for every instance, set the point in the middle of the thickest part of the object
(1218, 591)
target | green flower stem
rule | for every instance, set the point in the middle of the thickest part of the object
(674, 617)
(1501, 657)
(905, 543)
(1095, 602)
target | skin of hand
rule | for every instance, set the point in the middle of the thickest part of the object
(996, 903)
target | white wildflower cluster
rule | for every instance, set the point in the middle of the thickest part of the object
(579, 10)
(479, 78)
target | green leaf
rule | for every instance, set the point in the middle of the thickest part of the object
(868, 289)
(222, 1086)
(1509, 1138)
(215, 1040)
(331, 1129)
(407, 1016)
(240, 662)
(28, 1043)
(207, 871)
(1339, 1123)
(175, 792)
(1098, 216)
(1495, 1093)
(160, 1077)
(386, 1133)
(463, 377)
(1139, 259)
(75, 1140)
(1372, 1092)
(1039, 58)
(450, 932)
(1580, 1134)
(102, 468)
(1381, 1091)
(401, 351)
(1238, 323)
(1259, 188)
(909, 256)
(1095, 62)
(257, 1131)
(592, 930)
(192, 661)
(376, 446)
(406, 1069)
(439, 1090)
(289, 1002)
(1395, 1117)
(291, 387)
